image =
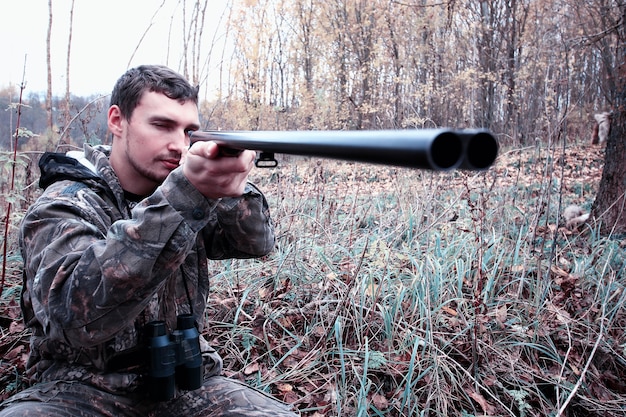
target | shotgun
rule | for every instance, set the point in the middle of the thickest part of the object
(431, 149)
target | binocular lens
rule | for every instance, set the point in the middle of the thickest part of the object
(174, 360)
(161, 383)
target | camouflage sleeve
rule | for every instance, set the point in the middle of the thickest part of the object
(240, 227)
(89, 279)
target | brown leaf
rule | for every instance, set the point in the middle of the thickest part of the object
(264, 293)
(450, 311)
(484, 404)
(501, 314)
(13, 310)
(490, 380)
(559, 272)
(16, 327)
(14, 353)
(380, 401)
(284, 387)
(290, 397)
(252, 368)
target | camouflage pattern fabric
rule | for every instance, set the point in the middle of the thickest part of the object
(98, 267)
(219, 396)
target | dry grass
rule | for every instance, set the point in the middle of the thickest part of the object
(398, 292)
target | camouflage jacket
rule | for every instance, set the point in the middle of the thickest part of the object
(97, 267)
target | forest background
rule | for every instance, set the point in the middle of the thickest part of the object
(395, 292)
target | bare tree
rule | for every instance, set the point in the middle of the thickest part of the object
(67, 117)
(49, 65)
(192, 39)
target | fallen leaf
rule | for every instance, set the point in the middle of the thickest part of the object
(380, 401)
(501, 314)
(252, 368)
(16, 327)
(14, 353)
(284, 387)
(450, 311)
(484, 404)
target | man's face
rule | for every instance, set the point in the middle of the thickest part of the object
(151, 144)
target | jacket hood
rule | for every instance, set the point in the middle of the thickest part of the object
(57, 167)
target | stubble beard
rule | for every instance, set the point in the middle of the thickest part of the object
(146, 171)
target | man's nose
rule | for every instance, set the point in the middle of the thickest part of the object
(180, 142)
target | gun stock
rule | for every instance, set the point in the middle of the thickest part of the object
(432, 149)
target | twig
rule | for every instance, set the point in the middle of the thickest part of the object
(586, 368)
(85, 107)
(7, 219)
(144, 34)
(563, 367)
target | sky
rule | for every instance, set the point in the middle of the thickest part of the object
(108, 37)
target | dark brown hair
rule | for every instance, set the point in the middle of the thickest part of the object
(130, 87)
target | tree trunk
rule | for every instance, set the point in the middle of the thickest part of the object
(609, 208)
(67, 117)
(49, 66)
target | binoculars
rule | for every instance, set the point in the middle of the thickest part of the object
(174, 360)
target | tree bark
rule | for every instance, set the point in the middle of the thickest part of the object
(609, 207)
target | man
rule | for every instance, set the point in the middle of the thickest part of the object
(119, 241)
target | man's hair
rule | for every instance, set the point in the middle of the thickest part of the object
(130, 87)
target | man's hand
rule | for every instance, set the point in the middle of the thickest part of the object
(214, 175)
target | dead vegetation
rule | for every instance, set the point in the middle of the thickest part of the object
(398, 292)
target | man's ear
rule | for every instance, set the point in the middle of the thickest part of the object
(114, 120)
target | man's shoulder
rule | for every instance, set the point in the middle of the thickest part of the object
(68, 201)
(67, 188)
(57, 167)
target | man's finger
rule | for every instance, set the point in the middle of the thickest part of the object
(208, 150)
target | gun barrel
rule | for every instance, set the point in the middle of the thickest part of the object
(434, 149)
(481, 149)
